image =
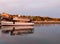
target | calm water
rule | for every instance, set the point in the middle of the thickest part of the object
(42, 34)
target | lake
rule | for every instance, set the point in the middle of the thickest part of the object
(39, 34)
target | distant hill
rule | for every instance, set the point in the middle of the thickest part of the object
(33, 18)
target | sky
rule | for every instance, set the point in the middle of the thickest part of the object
(50, 8)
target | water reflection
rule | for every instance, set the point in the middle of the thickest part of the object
(17, 30)
(42, 34)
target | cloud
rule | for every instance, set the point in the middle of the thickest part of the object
(29, 3)
(30, 6)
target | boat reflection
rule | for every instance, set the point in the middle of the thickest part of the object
(17, 30)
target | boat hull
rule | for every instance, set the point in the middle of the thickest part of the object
(4, 23)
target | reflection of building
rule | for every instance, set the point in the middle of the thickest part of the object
(17, 31)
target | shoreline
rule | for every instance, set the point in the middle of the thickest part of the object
(46, 22)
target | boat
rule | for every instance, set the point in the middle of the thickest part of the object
(16, 21)
(9, 23)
